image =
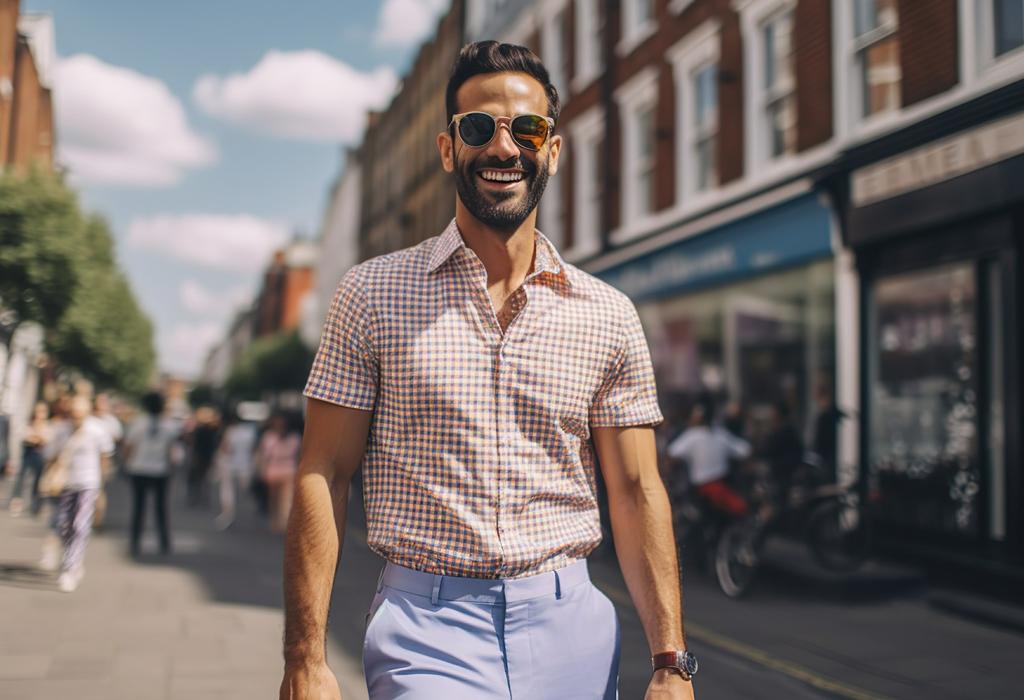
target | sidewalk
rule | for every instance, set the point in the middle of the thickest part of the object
(203, 623)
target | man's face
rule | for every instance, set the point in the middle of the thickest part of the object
(502, 206)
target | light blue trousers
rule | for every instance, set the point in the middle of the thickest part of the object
(430, 637)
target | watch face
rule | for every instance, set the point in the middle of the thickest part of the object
(688, 662)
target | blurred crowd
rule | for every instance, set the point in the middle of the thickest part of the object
(79, 443)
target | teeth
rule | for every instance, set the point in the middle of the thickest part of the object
(500, 176)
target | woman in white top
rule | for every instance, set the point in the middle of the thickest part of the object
(148, 447)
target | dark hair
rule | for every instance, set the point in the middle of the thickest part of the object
(482, 57)
(153, 403)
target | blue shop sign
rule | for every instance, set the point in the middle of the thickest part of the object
(786, 235)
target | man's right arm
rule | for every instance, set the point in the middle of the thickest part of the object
(332, 450)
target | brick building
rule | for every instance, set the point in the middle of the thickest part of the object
(406, 196)
(27, 55)
(287, 282)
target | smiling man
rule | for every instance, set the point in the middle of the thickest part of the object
(478, 380)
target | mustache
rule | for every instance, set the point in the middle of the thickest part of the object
(526, 166)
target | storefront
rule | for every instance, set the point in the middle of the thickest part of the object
(743, 312)
(935, 216)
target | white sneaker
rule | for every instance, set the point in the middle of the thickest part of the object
(50, 560)
(67, 582)
(16, 507)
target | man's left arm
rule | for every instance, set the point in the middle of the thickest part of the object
(641, 519)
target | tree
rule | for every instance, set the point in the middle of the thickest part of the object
(40, 240)
(58, 268)
(275, 364)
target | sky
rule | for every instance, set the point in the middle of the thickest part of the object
(207, 133)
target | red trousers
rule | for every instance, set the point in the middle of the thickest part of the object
(722, 496)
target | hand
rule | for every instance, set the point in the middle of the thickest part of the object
(309, 682)
(668, 685)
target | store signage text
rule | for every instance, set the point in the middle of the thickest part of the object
(940, 161)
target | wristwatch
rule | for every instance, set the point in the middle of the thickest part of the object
(682, 662)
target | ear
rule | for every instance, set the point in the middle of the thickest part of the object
(554, 149)
(445, 146)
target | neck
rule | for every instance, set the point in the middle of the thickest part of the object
(507, 256)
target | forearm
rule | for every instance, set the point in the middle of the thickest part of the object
(316, 529)
(642, 525)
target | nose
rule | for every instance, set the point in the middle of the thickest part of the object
(503, 146)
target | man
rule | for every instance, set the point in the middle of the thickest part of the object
(489, 370)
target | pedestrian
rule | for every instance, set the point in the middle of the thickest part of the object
(707, 450)
(102, 412)
(202, 441)
(33, 448)
(478, 379)
(149, 448)
(783, 452)
(76, 474)
(278, 463)
(234, 466)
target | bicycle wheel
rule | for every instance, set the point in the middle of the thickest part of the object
(736, 558)
(837, 535)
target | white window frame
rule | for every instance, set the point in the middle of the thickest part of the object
(978, 62)
(636, 95)
(848, 96)
(699, 48)
(586, 131)
(635, 30)
(552, 45)
(754, 15)
(588, 44)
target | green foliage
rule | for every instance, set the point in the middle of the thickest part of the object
(274, 364)
(58, 267)
(41, 235)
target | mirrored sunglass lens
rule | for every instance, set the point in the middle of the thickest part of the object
(530, 130)
(476, 129)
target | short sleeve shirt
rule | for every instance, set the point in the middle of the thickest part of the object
(479, 460)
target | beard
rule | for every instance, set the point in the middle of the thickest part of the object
(501, 211)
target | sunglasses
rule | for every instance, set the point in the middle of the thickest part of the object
(528, 130)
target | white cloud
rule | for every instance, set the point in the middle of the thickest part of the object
(184, 348)
(304, 95)
(404, 23)
(231, 242)
(116, 126)
(202, 301)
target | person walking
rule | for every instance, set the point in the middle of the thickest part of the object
(102, 413)
(148, 454)
(202, 441)
(33, 449)
(478, 380)
(234, 465)
(278, 464)
(77, 474)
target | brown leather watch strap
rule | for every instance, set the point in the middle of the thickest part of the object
(669, 660)
(666, 659)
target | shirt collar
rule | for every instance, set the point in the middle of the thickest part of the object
(546, 258)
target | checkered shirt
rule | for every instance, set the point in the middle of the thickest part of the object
(479, 460)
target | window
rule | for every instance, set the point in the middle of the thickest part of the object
(1008, 23)
(779, 85)
(556, 58)
(705, 125)
(694, 61)
(638, 100)
(590, 31)
(645, 138)
(638, 22)
(588, 153)
(877, 55)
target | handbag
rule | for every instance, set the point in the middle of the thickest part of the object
(55, 477)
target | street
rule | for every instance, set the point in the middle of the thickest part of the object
(206, 623)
